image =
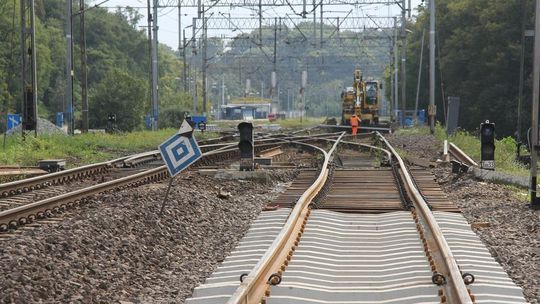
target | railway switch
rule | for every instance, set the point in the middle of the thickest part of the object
(487, 145)
(246, 146)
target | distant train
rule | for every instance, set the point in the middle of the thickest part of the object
(362, 99)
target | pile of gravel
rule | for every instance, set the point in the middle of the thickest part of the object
(44, 127)
(422, 146)
(513, 232)
(116, 248)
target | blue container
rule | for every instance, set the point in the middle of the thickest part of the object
(60, 119)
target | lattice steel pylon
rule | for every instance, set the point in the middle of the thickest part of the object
(29, 73)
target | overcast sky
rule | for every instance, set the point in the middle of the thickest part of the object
(168, 17)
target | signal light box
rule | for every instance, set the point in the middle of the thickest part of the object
(487, 145)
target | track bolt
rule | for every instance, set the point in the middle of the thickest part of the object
(13, 225)
(443, 299)
(267, 293)
(440, 293)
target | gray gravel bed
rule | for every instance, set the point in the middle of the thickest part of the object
(512, 234)
(116, 249)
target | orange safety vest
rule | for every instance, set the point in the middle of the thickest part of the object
(354, 121)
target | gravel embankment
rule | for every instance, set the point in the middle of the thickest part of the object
(116, 249)
(512, 234)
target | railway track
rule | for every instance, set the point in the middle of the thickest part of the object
(364, 228)
(25, 201)
(39, 198)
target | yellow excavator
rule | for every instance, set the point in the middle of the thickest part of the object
(361, 99)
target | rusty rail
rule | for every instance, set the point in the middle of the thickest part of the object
(28, 213)
(455, 289)
(461, 156)
(25, 185)
(255, 285)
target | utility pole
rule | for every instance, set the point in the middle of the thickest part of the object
(204, 62)
(29, 73)
(321, 45)
(84, 69)
(396, 82)
(150, 64)
(274, 67)
(69, 66)
(314, 24)
(403, 61)
(155, 75)
(415, 115)
(521, 70)
(194, 92)
(432, 109)
(222, 97)
(260, 22)
(535, 203)
(184, 74)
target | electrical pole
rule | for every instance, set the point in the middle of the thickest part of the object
(403, 61)
(396, 82)
(415, 115)
(521, 70)
(314, 24)
(432, 108)
(150, 64)
(222, 97)
(155, 75)
(535, 203)
(260, 22)
(69, 66)
(184, 74)
(84, 69)
(321, 45)
(274, 70)
(204, 62)
(29, 73)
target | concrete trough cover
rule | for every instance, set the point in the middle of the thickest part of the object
(492, 284)
(358, 258)
(220, 286)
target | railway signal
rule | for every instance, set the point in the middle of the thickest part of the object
(246, 146)
(487, 145)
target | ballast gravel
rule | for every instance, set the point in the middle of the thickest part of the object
(499, 215)
(116, 249)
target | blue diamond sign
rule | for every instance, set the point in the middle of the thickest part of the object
(179, 152)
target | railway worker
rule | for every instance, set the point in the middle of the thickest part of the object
(355, 122)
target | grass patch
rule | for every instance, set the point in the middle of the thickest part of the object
(82, 149)
(505, 148)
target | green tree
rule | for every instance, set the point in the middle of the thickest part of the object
(118, 93)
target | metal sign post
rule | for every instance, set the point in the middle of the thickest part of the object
(179, 152)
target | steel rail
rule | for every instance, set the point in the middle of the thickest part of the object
(461, 156)
(26, 213)
(254, 286)
(455, 289)
(38, 182)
